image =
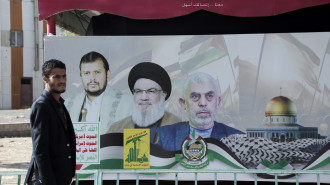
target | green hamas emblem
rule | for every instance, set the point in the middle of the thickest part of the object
(193, 151)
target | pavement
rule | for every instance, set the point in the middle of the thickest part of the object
(15, 143)
(15, 123)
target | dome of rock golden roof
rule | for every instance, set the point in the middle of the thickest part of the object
(280, 106)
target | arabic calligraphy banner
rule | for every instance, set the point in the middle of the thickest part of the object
(159, 9)
(275, 102)
(87, 143)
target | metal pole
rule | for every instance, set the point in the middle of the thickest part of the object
(156, 178)
(235, 179)
(215, 178)
(137, 179)
(297, 179)
(117, 182)
(77, 179)
(176, 179)
(276, 183)
(19, 180)
(255, 179)
(36, 35)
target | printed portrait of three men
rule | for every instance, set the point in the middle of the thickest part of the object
(196, 102)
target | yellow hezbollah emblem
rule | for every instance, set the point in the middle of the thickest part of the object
(136, 148)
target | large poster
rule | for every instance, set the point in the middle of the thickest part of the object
(249, 101)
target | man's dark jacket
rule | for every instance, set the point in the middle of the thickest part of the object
(54, 146)
(171, 137)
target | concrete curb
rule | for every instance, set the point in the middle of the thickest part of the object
(15, 129)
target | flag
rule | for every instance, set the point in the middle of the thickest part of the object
(226, 101)
(195, 40)
(328, 48)
(141, 57)
(200, 51)
(136, 148)
(246, 83)
(304, 101)
(172, 68)
(306, 51)
(286, 58)
(236, 89)
(119, 77)
(326, 96)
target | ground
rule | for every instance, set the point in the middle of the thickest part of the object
(15, 155)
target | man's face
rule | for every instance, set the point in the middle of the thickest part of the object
(148, 102)
(56, 81)
(94, 77)
(144, 100)
(201, 104)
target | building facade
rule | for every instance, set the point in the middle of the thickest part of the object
(21, 53)
(280, 123)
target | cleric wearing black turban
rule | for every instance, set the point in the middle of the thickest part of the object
(151, 87)
(153, 72)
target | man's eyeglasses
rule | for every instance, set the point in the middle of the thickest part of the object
(150, 92)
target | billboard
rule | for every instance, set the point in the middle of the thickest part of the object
(270, 95)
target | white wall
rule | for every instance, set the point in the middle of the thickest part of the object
(28, 37)
(28, 51)
(29, 47)
(5, 60)
(0, 58)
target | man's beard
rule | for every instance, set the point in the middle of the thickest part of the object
(202, 122)
(53, 89)
(145, 117)
(96, 93)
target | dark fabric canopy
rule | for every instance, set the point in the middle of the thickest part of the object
(311, 19)
(163, 9)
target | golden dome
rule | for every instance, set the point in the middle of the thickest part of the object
(280, 106)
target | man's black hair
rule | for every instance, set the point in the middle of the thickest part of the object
(92, 57)
(51, 64)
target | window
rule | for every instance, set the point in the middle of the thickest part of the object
(16, 38)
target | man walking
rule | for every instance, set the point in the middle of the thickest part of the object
(53, 160)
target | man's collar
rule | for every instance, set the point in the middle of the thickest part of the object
(96, 100)
(48, 94)
(200, 128)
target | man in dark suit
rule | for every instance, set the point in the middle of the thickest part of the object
(53, 160)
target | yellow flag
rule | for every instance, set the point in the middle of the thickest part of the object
(136, 148)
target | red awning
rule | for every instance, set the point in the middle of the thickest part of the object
(162, 9)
